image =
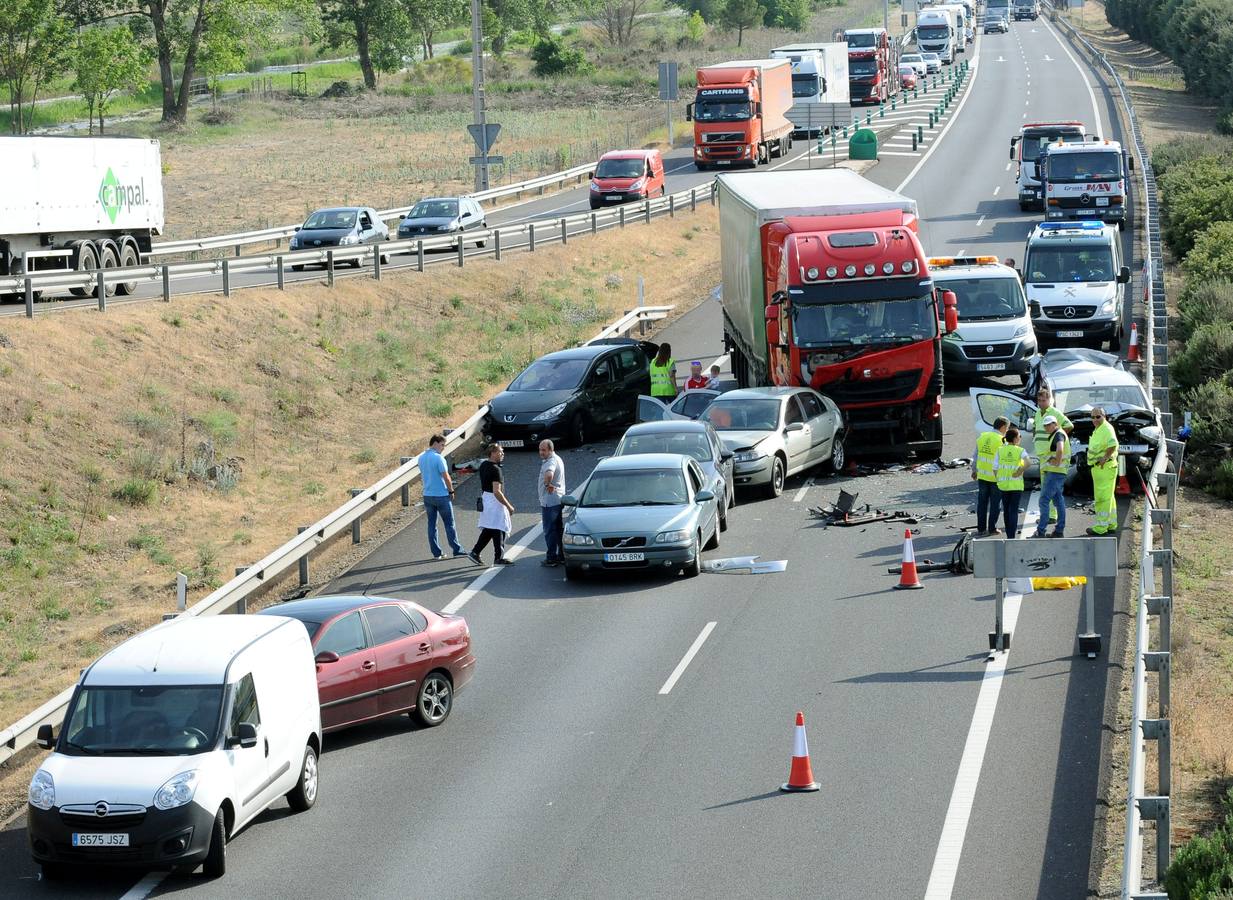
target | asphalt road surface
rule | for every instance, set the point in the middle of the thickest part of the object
(574, 765)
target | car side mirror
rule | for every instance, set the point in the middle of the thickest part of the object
(689, 112)
(297, 228)
(402, 216)
(726, 454)
(569, 500)
(327, 656)
(1123, 275)
(793, 426)
(245, 736)
(703, 496)
(45, 737)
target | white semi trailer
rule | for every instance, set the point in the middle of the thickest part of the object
(79, 203)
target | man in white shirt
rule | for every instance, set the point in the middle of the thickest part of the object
(551, 490)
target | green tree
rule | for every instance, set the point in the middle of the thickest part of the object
(695, 28)
(34, 43)
(1212, 256)
(431, 16)
(1196, 193)
(710, 10)
(380, 29)
(107, 60)
(742, 14)
(790, 14)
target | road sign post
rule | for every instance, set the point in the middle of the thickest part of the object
(668, 92)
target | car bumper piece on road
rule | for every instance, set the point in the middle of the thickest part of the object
(161, 839)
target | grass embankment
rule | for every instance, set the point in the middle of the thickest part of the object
(194, 436)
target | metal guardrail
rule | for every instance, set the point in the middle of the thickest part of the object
(234, 595)
(1153, 558)
(102, 282)
(278, 233)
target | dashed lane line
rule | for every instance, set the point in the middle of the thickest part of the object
(688, 658)
(464, 597)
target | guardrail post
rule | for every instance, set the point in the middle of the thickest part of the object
(406, 488)
(376, 262)
(1163, 518)
(621, 216)
(226, 278)
(181, 591)
(1158, 661)
(1157, 809)
(594, 223)
(166, 273)
(303, 559)
(241, 605)
(355, 526)
(237, 249)
(29, 298)
(646, 211)
(693, 199)
(419, 256)
(100, 290)
(531, 237)
(461, 252)
(564, 231)
(329, 267)
(672, 206)
(1158, 730)
(496, 244)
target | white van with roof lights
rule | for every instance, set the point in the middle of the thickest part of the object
(995, 335)
(174, 741)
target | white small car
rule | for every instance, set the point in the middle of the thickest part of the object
(916, 61)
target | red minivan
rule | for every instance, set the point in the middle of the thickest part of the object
(624, 175)
(377, 656)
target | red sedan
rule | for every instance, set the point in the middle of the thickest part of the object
(907, 76)
(377, 656)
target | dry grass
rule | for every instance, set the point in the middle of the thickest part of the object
(301, 395)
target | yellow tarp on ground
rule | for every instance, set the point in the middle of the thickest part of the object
(1062, 583)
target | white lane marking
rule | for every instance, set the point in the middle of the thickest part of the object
(1008, 165)
(800, 495)
(997, 190)
(464, 597)
(937, 142)
(955, 826)
(980, 221)
(688, 657)
(1082, 74)
(894, 153)
(143, 888)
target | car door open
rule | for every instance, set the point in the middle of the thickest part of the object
(988, 404)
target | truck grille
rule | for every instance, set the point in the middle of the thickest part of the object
(987, 351)
(897, 387)
(721, 137)
(1061, 312)
(611, 543)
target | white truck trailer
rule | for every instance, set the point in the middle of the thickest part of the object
(819, 84)
(935, 33)
(79, 203)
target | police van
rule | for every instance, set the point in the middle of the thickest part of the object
(995, 335)
(1076, 280)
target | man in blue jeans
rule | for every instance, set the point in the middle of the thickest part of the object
(551, 490)
(438, 496)
(1053, 470)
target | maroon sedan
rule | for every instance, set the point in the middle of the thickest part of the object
(377, 656)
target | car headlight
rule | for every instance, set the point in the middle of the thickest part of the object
(582, 540)
(671, 537)
(595, 187)
(295, 242)
(349, 239)
(42, 790)
(1023, 330)
(448, 227)
(550, 413)
(1107, 306)
(638, 185)
(748, 456)
(177, 791)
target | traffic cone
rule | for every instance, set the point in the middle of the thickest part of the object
(800, 776)
(908, 580)
(1123, 483)
(1132, 354)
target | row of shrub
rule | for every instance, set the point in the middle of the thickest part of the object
(1196, 188)
(1203, 867)
(1197, 34)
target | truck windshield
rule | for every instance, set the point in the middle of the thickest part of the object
(721, 110)
(621, 168)
(152, 720)
(905, 320)
(1032, 143)
(805, 85)
(1094, 165)
(987, 299)
(863, 67)
(933, 32)
(1046, 264)
(861, 40)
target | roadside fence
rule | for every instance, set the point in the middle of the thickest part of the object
(1154, 597)
(251, 581)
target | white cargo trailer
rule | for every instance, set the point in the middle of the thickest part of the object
(819, 84)
(78, 203)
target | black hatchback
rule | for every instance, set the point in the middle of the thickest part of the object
(571, 394)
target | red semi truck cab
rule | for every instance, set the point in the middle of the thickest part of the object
(835, 293)
(740, 113)
(873, 65)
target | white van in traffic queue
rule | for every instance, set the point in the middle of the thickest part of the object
(1076, 284)
(174, 741)
(995, 335)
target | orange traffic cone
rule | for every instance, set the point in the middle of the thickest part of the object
(800, 776)
(908, 580)
(1123, 486)
(1132, 354)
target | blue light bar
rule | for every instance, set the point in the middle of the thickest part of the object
(1068, 226)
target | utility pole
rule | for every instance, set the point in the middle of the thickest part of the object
(886, 16)
(477, 94)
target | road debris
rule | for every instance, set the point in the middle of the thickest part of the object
(744, 565)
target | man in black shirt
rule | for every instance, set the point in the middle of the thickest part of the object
(494, 520)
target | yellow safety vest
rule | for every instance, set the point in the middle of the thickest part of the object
(1010, 456)
(986, 452)
(1102, 439)
(661, 379)
(1064, 465)
(1041, 440)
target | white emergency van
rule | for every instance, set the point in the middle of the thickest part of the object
(995, 335)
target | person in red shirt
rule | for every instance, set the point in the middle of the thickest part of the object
(696, 378)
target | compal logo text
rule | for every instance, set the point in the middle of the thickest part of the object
(114, 196)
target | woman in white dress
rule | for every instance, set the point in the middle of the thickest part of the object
(494, 520)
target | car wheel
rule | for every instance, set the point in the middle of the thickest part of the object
(839, 456)
(578, 430)
(774, 487)
(573, 573)
(297, 267)
(436, 699)
(694, 568)
(713, 543)
(1115, 342)
(385, 258)
(355, 263)
(304, 794)
(215, 863)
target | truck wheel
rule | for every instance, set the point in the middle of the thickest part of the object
(87, 261)
(700, 166)
(109, 258)
(129, 259)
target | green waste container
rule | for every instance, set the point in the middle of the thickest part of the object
(863, 144)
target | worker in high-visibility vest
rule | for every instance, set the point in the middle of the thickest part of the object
(984, 461)
(663, 373)
(1012, 460)
(1041, 440)
(1054, 468)
(1102, 450)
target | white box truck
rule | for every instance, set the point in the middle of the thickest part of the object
(819, 85)
(935, 33)
(98, 199)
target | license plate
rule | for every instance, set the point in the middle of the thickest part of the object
(624, 557)
(1102, 201)
(1070, 334)
(723, 162)
(109, 839)
(515, 444)
(1087, 212)
(608, 198)
(991, 367)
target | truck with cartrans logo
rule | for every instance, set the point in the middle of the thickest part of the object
(873, 65)
(79, 203)
(740, 113)
(825, 285)
(1086, 181)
